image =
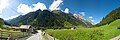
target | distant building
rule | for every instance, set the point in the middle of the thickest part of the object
(15, 28)
(26, 28)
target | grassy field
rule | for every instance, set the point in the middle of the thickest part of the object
(105, 32)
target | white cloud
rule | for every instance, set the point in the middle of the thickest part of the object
(66, 10)
(24, 9)
(3, 5)
(0, 16)
(91, 17)
(82, 13)
(11, 17)
(39, 6)
(55, 5)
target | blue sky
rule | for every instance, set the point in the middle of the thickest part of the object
(93, 10)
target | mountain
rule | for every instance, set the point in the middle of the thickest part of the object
(47, 19)
(80, 17)
(112, 16)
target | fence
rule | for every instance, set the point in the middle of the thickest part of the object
(12, 35)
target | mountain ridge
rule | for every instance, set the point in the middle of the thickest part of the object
(48, 19)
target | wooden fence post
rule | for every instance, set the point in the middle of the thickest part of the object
(23, 34)
(9, 36)
(69, 37)
(54, 38)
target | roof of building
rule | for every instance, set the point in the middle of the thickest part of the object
(25, 26)
(15, 27)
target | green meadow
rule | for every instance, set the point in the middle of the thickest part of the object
(105, 32)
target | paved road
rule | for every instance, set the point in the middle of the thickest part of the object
(37, 36)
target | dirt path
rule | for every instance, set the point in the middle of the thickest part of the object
(37, 36)
(116, 38)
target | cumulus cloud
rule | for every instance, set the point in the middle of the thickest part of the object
(3, 5)
(55, 5)
(24, 9)
(82, 13)
(91, 17)
(66, 10)
(39, 6)
(11, 17)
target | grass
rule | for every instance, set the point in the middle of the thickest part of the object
(105, 32)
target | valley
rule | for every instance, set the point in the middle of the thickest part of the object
(59, 20)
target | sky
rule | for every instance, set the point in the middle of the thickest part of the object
(93, 10)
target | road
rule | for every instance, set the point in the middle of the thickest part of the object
(37, 36)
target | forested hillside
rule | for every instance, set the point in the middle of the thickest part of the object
(112, 16)
(47, 19)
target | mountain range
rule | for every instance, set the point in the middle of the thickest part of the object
(50, 19)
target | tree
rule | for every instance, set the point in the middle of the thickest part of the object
(1, 22)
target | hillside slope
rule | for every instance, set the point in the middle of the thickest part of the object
(112, 16)
(105, 32)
